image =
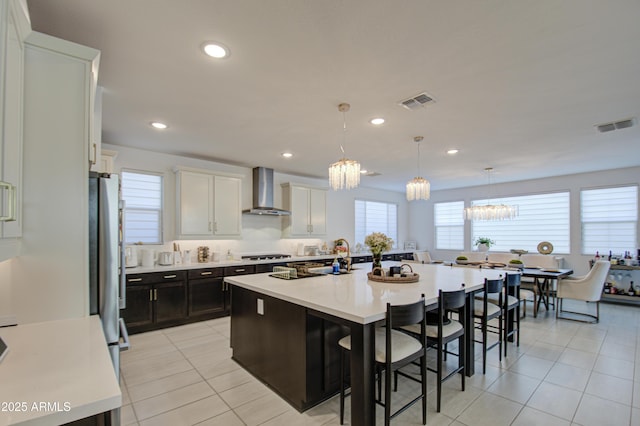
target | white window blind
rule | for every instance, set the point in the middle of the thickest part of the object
(542, 217)
(375, 216)
(142, 193)
(609, 219)
(449, 225)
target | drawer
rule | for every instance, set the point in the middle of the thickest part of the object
(156, 277)
(239, 270)
(205, 273)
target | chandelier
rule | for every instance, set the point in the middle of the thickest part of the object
(345, 173)
(418, 188)
(490, 211)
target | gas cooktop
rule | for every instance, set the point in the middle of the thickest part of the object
(266, 256)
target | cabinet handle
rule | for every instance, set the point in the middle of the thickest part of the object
(206, 273)
(240, 270)
(134, 280)
(11, 201)
(155, 294)
(94, 160)
(311, 228)
(215, 226)
(150, 295)
(166, 277)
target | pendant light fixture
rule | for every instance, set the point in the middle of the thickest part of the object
(344, 174)
(490, 211)
(418, 188)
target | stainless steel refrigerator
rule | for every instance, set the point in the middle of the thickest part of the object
(106, 263)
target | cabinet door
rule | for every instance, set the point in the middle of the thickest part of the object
(227, 206)
(318, 211)
(139, 311)
(195, 200)
(300, 211)
(206, 296)
(11, 108)
(170, 301)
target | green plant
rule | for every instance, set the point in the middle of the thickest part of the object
(484, 240)
(462, 258)
(516, 261)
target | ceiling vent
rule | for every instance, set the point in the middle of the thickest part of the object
(622, 124)
(417, 101)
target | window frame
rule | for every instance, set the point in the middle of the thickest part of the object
(355, 215)
(160, 210)
(473, 233)
(436, 226)
(635, 222)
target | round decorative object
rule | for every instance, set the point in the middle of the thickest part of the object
(545, 247)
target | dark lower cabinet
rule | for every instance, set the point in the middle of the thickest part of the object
(139, 311)
(155, 300)
(294, 353)
(170, 302)
(206, 294)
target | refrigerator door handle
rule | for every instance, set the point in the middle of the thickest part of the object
(124, 334)
(122, 299)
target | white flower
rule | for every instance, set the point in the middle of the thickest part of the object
(378, 242)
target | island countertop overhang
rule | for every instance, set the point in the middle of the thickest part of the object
(354, 298)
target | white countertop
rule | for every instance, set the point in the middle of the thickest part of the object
(355, 298)
(223, 263)
(56, 372)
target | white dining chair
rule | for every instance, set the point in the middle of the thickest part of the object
(587, 288)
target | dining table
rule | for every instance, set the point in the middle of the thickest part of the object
(543, 279)
(360, 304)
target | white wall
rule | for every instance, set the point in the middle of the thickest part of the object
(259, 233)
(421, 215)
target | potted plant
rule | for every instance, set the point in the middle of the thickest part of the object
(516, 263)
(378, 243)
(484, 243)
(462, 260)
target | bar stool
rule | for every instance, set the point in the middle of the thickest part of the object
(485, 311)
(394, 350)
(446, 331)
(511, 309)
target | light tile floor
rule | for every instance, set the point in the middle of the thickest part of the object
(563, 373)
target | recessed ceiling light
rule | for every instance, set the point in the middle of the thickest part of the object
(215, 50)
(452, 151)
(287, 154)
(377, 121)
(158, 125)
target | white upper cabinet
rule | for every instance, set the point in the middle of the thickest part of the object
(308, 206)
(208, 205)
(14, 28)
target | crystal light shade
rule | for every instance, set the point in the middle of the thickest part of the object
(344, 174)
(418, 188)
(491, 212)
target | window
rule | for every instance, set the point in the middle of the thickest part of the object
(609, 219)
(142, 193)
(449, 224)
(542, 217)
(376, 216)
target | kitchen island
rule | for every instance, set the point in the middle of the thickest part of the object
(284, 331)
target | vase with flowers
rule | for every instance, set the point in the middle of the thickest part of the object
(378, 243)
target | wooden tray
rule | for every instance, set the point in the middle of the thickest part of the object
(394, 280)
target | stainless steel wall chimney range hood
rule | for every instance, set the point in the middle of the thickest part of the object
(263, 194)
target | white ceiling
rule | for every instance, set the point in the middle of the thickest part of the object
(519, 85)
